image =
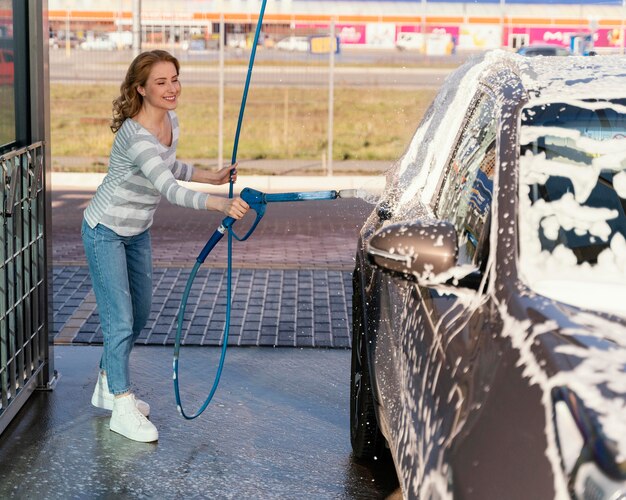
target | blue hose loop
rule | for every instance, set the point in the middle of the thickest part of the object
(209, 246)
(218, 374)
(258, 202)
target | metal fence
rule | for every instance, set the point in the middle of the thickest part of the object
(306, 101)
(289, 96)
(23, 325)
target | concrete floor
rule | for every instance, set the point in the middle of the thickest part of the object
(278, 427)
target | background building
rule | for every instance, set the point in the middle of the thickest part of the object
(430, 26)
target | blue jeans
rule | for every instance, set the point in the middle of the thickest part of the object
(121, 275)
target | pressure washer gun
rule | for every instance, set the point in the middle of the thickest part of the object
(258, 202)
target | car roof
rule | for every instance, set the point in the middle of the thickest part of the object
(564, 78)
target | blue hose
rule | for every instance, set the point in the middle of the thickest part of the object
(244, 97)
(183, 304)
(257, 202)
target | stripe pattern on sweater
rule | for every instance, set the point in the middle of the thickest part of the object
(141, 170)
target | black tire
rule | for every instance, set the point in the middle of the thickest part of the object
(365, 436)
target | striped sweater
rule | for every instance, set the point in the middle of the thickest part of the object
(141, 169)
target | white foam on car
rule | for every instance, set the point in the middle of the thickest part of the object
(418, 174)
(559, 276)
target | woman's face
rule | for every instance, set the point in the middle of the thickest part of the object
(162, 87)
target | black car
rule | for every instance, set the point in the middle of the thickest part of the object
(542, 50)
(489, 309)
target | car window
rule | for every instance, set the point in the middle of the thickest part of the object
(571, 168)
(466, 192)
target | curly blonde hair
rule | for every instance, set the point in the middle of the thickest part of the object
(129, 102)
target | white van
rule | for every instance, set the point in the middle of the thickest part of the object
(410, 40)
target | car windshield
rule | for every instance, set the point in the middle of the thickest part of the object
(573, 190)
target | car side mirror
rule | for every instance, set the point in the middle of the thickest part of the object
(422, 248)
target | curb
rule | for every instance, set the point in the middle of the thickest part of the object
(266, 183)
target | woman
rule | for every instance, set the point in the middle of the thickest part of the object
(116, 225)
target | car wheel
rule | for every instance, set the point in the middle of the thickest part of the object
(365, 436)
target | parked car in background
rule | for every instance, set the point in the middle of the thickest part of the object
(489, 320)
(542, 50)
(100, 43)
(294, 43)
(7, 67)
(196, 44)
(236, 40)
(61, 39)
(410, 40)
(121, 39)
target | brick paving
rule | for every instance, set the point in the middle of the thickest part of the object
(291, 282)
(270, 307)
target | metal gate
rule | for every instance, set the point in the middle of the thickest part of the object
(23, 301)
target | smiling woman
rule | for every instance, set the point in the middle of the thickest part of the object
(116, 225)
(160, 94)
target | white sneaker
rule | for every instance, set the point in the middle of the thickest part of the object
(128, 421)
(102, 398)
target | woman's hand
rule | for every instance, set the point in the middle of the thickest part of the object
(225, 175)
(222, 176)
(233, 207)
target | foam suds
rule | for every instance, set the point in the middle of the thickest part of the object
(411, 186)
(358, 193)
(368, 192)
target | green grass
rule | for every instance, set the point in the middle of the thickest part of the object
(279, 123)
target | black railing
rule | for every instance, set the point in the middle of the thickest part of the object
(23, 315)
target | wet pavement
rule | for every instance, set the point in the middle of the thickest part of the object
(278, 426)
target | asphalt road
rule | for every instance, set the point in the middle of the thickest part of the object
(377, 68)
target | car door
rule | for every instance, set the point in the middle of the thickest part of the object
(458, 313)
(432, 331)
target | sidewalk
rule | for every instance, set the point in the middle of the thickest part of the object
(249, 167)
(291, 283)
(264, 175)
